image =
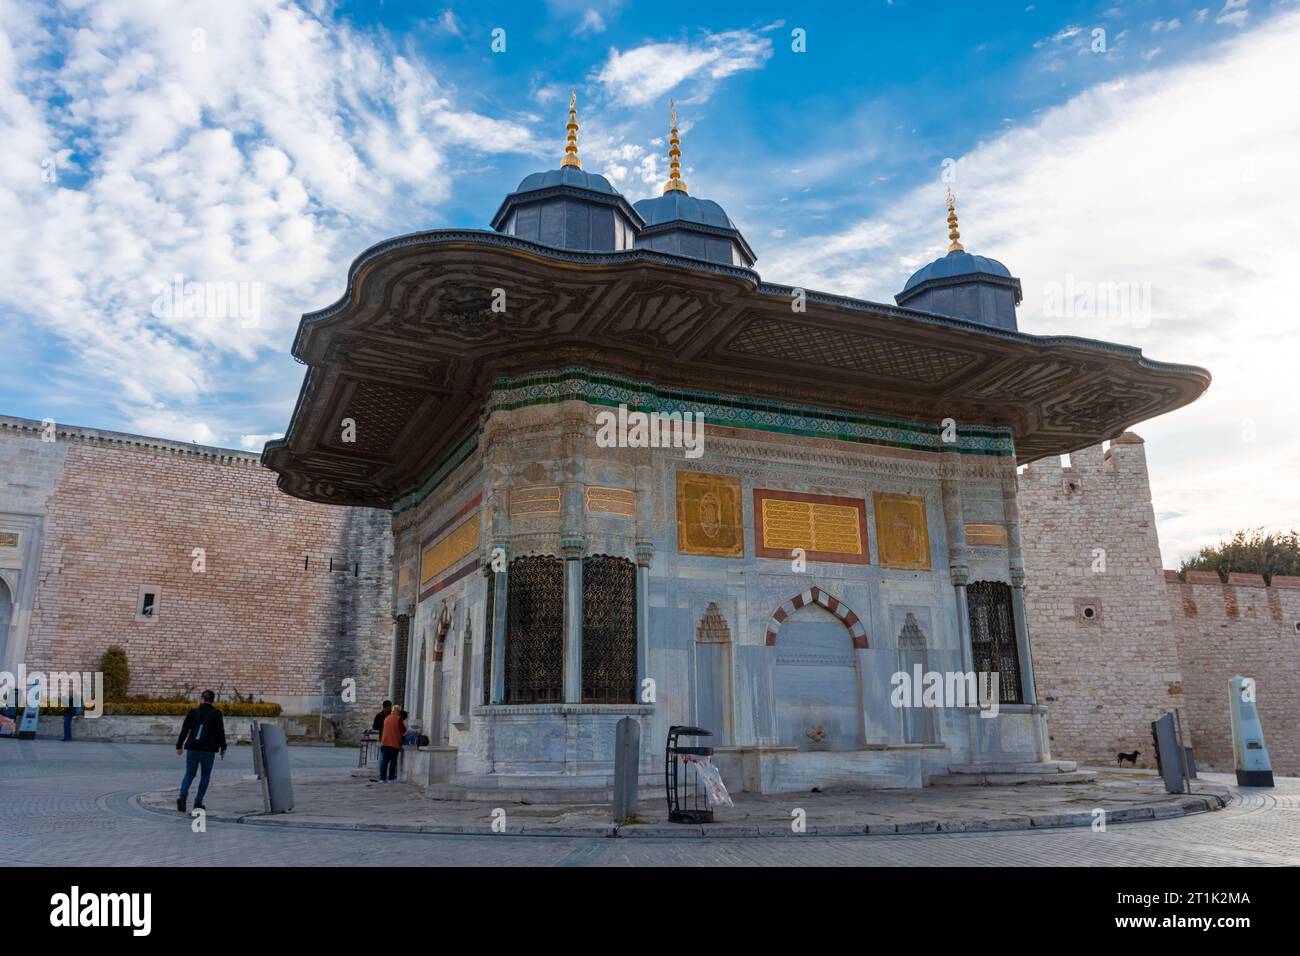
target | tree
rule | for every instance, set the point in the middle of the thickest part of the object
(117, 676)
(1253, 552)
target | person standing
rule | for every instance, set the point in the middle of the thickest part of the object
(203, 736)
(68, 713)
(378, 725)
(390, 745)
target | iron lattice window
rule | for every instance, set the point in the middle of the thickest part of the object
(489, 630)
(993, 636)
(608, 630)
(535, 631)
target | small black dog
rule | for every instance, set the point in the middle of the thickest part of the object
(1131, 758)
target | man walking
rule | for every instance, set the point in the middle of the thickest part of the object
(203, 736)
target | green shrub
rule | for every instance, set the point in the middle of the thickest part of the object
(117, 676)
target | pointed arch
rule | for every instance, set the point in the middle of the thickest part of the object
(815, 595)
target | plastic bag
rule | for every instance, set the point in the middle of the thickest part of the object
(715, 791)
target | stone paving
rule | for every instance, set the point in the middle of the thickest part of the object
(76, 805)
(337, 799)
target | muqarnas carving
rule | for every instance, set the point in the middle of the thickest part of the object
(708, 515)
(901, 532)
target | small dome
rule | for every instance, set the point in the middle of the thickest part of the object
(677, 205)
(957, 264)
(566, 176)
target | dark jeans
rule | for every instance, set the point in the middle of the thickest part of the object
(388, 762)
(201, 761)
(67, 726)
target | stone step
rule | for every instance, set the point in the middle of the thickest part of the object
(1010, 779)
(540, 788)
(537, 795)
(1042, 766)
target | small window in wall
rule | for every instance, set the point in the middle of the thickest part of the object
(146, 604)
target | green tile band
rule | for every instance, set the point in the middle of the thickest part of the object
(580, 384)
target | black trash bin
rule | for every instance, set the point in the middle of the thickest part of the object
(688, 802)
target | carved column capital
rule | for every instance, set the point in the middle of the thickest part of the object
(960, 574)
(1017, 577)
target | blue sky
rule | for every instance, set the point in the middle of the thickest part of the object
(267, 144)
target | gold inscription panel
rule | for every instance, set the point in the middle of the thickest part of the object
(708, 515)
(827, 528)
(901, 532)
(8, 539)
(457, 544)
(539, 499)
(614, 501)
(986, 535)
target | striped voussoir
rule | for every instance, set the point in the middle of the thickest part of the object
(816, 595)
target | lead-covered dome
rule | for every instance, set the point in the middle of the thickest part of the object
(569, 208)
(964, 286)
(684, 225)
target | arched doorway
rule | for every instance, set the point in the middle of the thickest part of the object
(818, 687)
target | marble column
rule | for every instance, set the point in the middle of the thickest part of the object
(499, 582)
(644, 558)
(572, 551)
(1016, 562)
(959, 574)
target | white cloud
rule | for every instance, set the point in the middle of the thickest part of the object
(250, 143)
(646, 73)
(1127, 183)
(592, 22)
(449, 23)
(1234, 13)
(255, 442)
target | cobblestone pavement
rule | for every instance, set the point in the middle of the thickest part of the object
(74, 805)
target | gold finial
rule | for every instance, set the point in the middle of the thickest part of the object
(571, 145)
(953, 234)
(674, 155)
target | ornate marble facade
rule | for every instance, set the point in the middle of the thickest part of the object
(789, 662)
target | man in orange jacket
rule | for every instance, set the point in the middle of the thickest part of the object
(390, 745)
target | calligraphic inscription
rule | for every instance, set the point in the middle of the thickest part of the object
(825, 527)
(986, 535)
(614, 501)
(8, 539)
(539, 499)
(904, 541)
(708, 515)
(453, 547)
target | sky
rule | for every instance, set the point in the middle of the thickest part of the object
(1146, 152)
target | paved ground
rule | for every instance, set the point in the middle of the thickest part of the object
(335, 799)
(75, 804)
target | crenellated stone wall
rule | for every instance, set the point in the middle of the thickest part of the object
(1241, 627)
(1118, 641)
(290, 594)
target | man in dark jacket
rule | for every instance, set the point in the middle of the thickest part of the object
(378, 724)
(203, 736)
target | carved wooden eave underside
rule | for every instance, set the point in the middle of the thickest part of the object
(412, 348)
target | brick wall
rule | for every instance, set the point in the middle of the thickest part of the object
(268, 616)
(1241, 627)
(1104, 677)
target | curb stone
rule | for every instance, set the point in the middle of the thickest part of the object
(1182, 806)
